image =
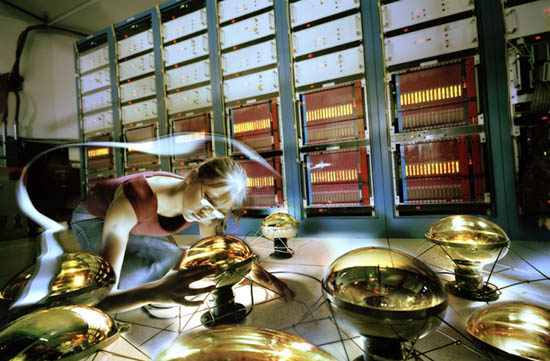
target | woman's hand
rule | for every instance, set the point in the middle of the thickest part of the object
(267, 280)
(172, 288)
(175, 286)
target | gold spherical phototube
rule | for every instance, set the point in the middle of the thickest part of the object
(66, 333)
(471, 243)
(387, 296)
(280, 227)
(233, 259)
(513, 330)
(243, 344)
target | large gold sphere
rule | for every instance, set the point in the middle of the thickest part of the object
(514, 330)
(230, 255)
(235, 343)
(279, 225)
(385, 293)
(471, 242)
(59, 333)
(79, 278)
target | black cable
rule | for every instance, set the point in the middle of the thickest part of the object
(13, 81)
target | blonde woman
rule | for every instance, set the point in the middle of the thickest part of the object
(127, 219)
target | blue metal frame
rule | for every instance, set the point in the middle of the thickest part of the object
(402, 150)
(288, 116)
(304, 120)
(308, 179)
(218, 126)
(404, 174)
(398, 97)
(119, 171)
(162, 120)
(79, 116)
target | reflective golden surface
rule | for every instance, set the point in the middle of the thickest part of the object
(236, 343)
(385, 293)
(279, 225)
(80, 278)
(513, 328)
(58, 333)
(469, 240)
(230, 255)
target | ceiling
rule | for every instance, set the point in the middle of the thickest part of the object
(86, 16)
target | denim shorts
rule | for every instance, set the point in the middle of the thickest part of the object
(147, 258)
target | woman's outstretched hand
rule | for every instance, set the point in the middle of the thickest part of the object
(174, 287)
(261, 276)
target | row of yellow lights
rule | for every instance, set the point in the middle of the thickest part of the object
(260, 182)
(428, 95)
(259, 143)
(341, 110)
(191, 137)
(335, 132)
(98, 152)
(454, 191)
(451, 115)
(330, 197)
(256, 200)
(253, 125)
(433, 168)
(343, 175)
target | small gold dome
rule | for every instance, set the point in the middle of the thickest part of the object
(279, 225)
(513, 328)
(469, 240)
(80, 278)
(230, 255)
(385, 293)
(243, 344)
(56, 333)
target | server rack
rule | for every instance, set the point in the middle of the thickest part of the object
(528, 49)
(94, 82)
(379, 214)
(187, 71)
(137, 82)
(250, 79)
(333, 133)
(436, 121)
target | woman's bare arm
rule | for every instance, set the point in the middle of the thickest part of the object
(119, 221)
(207, 229)
(172, 288)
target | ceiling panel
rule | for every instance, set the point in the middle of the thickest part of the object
(87, 16)
(50, 8)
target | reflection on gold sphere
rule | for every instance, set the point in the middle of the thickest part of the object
(515, 330)
(80, 278)
(279, 225)
(385, 293)
(471, 242)
(230, 255)
(56, 333)
(232, 343)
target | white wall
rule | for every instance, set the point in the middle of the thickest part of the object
(48, 100)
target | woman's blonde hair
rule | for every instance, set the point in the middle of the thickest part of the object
(228, 177)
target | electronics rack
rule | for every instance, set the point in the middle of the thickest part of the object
(188, 85)
(436, 120)
(335, 50)
(528, 40)
(250, 77)
(333, 132)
